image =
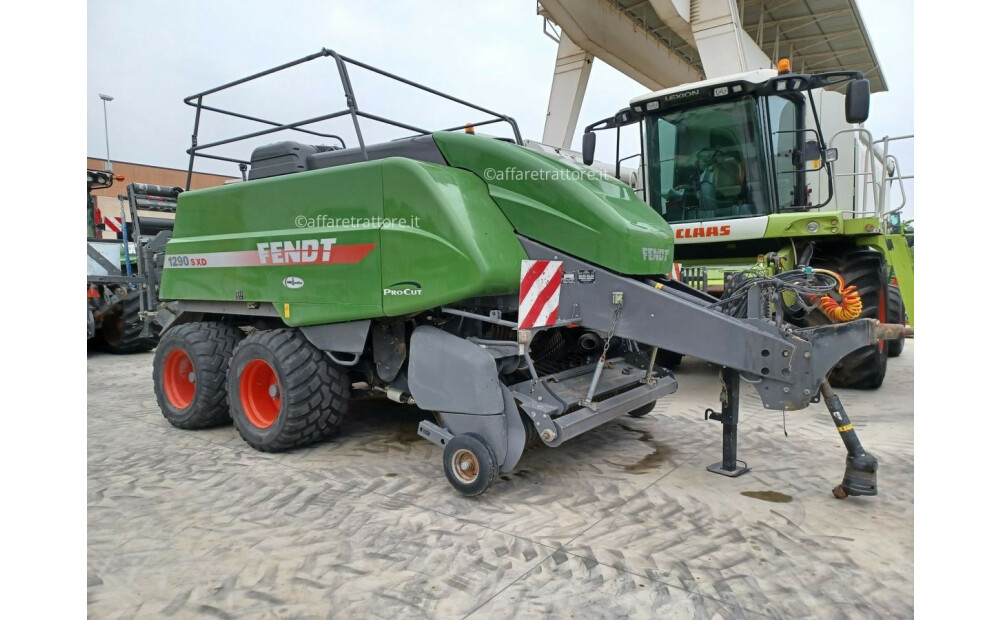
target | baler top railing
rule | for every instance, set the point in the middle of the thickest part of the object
(198, 102)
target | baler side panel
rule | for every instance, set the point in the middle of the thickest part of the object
(226, 227)
(564, 206)
(445, 239)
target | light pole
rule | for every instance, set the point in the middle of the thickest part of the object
(107, 147)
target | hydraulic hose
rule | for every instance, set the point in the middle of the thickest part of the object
(849, 308)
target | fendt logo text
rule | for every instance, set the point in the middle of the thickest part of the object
(302, 251)
(656, 254)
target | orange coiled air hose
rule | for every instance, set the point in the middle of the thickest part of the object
(849, 308)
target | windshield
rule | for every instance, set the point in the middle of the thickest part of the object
(705, 162)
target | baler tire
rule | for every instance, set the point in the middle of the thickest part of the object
(121, 327)
(641, 411)
(866, 269)
(895, 314)
(200, 350)
(470, 449)
(309, 398)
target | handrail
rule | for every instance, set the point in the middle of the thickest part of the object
(198, 102)
(888, 175)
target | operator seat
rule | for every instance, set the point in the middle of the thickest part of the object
(721, 188)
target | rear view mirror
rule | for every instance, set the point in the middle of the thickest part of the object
(856, 103)
(589, 144)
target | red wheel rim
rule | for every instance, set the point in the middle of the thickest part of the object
(178, 379)
(260, 393)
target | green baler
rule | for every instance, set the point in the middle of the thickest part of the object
(516, 298)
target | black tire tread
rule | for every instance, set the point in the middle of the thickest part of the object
(866, 269)
(487, 459)
(129, 340)
(210, 346)
(895, 314)
(644, 410)
(315, 392)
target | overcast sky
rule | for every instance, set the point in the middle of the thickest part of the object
(150, 55)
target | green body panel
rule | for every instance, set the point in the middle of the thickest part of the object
(901, 262)
(794, 224)
(597, 219)
(235, 218)
(464, 246)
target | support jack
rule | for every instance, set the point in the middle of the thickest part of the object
(730, 417)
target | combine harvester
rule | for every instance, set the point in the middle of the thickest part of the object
(742, 168)
(517, 311)
(744, 164)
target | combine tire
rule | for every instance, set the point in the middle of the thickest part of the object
(120, 328)
(284, 392)
(189, 373)
(470, 465)
(669, 359)
(866, 269)
(895, 314)
(641, 411)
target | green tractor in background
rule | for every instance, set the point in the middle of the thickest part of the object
(742, 167)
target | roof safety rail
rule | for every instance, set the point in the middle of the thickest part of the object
(198, 101)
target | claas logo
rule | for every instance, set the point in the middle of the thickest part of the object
(703, 231)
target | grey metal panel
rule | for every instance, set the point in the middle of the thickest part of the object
(665, 318)
(818, 35)
(448, 373)
(492, 428)
(422, 148)
(434, 433)
(103, 258)
(517, 438)
(226, 307)
(785, 365)
(346, 337)
(582, 420)
(389, 348)
(505, 434)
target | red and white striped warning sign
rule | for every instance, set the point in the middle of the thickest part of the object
(675, 273)
(114, 224)
(539, 299)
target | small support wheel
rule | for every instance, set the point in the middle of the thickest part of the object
(470, 465)
(839, 492)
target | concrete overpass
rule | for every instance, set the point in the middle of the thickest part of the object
(664, 43)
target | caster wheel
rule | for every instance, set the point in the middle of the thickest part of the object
(470, 465)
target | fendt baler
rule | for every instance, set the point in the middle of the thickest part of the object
(516, 296)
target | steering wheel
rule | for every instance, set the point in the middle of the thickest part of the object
(703, 155)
